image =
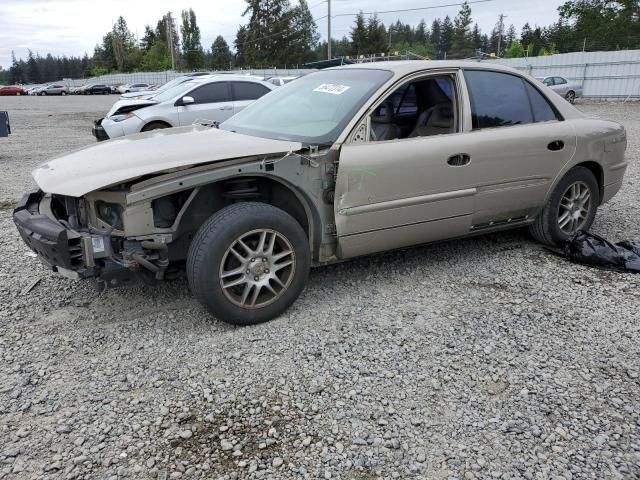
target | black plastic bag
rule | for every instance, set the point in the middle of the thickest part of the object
(593, 250)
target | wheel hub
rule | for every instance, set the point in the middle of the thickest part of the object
(257, 268)
(574, 208)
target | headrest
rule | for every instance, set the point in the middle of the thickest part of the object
(384, 113)
(441, 116)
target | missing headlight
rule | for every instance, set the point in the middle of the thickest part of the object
(110, 213)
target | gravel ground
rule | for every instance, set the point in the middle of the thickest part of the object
(481, 358)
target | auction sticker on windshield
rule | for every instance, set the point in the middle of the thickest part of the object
(332, 88)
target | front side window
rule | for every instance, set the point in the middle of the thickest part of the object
(422, 108)
(211, 93)
(497, 99)
(248, 90)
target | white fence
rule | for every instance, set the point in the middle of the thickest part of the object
(159, 78)
(603, 75)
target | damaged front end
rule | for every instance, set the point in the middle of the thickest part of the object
(84, 238)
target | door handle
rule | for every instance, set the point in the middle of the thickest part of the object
(226, 108)
(459, 160)
(556, 145)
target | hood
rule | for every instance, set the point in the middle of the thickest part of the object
(126, 158)
(129, 105)
(140, 94)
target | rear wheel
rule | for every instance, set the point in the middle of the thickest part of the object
(63, 93)
(18, 94)
(570, 96)
(572, 207)
(248, 263)
(43, 94)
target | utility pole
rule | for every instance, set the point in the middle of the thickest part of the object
(500, 30)
(328, 29)
(170, 40)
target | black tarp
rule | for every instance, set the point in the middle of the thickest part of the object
(592, 250)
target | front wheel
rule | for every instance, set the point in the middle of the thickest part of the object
(571, 207)
(248, 263)
(63, 93)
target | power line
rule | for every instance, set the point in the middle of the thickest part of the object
(410, 9)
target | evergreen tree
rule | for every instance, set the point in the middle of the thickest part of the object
(462, 46)
(148, 39)
(359, 35)
(446, 37)
(239, 44)
(269, 22)
(222, 57)
(377, 41)
(302, 34)
(421, 34)
(191, 47)
(436, 29)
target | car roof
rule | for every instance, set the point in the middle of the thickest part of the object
(227, 77)
(406, 67)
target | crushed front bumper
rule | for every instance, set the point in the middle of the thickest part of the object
(98, 130)
(48, 239)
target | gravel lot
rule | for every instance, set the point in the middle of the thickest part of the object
(483, 358)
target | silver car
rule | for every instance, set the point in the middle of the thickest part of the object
(54, 89)
(210, 99)
(563, 87)
(340, 163)
(133, 87)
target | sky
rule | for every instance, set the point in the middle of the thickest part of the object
(73, 27)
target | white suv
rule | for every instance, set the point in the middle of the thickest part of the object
(213, 99)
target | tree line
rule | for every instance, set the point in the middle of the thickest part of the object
(279, 34)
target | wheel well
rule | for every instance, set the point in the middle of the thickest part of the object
(213, 197)
(154, 122)
(597, 171)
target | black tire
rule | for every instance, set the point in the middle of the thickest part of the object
(213, 241)
(154, 126)
(43, 94)
(570, 97)
(546, 228)
(63, 93)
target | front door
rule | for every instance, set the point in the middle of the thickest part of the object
(401, 192)
(413, 188)
(212, 102)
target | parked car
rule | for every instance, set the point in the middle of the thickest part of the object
(5, 126)
(134, 87)
(569, 90)
(53, 89)
(12, 90)
(343, 162)
(280, 81)
(166, 86)
(95, 89)
(212, 99)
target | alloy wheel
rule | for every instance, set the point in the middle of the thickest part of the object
(257, 268)
(574, 207)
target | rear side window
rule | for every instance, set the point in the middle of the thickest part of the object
(542, 110)
(497, 99)
(248, 90)
(211, 93)
(559, 81)
(501, 100)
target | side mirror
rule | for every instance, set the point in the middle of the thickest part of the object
(187, 100)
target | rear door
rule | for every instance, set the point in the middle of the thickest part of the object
(518, 144)
(244, 93)
(212, 102)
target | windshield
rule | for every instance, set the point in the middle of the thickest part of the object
(313, 110)
(172, 83)
(172, 92)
